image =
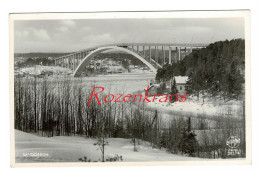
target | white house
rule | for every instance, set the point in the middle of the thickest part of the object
(181, 83)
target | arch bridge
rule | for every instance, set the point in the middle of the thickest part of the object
(153, 55)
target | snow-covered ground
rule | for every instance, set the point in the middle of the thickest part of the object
(35, 70)
(71, 148)
(212, 107)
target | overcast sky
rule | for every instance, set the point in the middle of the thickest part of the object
(74, 35)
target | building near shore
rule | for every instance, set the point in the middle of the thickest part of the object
(181, 82)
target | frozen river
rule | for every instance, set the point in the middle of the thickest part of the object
(120, 83)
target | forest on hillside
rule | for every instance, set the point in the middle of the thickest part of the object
(217, 70)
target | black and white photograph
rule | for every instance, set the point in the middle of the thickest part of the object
(130, 87)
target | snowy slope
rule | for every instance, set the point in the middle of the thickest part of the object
(71, 148)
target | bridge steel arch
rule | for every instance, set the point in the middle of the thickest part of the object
(97, 51)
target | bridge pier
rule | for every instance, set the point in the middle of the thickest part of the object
(170, 55)
(77, 60)
(68, 62)
(150, 54)
(156, 56)
(61, 62)
(70, 59)
(144, 51)
(74, 62)
(177, 58)
(71, 62)
(163, 50)
(179, 53)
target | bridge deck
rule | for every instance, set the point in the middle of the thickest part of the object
(193, 45)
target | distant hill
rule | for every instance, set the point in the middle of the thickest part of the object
(40, 55)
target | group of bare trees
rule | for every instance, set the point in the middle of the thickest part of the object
(52, 107)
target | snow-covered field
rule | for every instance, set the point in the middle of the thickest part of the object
(211, 107)
(71, 148)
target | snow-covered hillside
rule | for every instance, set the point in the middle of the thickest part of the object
(71, 148)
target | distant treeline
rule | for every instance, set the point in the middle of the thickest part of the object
(217, 70)
(39, 61)
(39, 54)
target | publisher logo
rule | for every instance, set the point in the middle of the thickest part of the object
(233, 142)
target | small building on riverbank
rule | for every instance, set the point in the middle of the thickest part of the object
(181, 82)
